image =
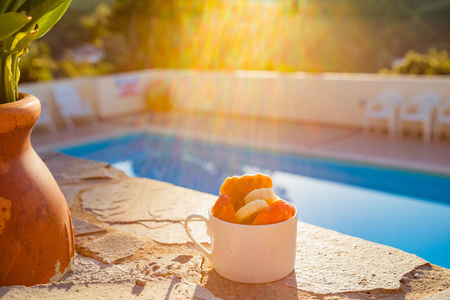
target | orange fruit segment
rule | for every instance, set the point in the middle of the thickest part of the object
(278, 211)
(237, 187)
(223, 210)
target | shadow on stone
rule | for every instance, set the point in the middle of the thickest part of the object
(175, 280)
(182, 259)
(137, 289)
(227, 289)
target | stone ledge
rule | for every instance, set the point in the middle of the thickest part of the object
(439, 296)
(138, 248)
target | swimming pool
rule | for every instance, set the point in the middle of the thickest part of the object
(402, 209)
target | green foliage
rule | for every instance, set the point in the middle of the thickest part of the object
(67, 34)
(38, 64)
(21, 22)
(149, 29)
(434, 62)
(87, 7)
(97, 23)
(286, 35)
(69, 68)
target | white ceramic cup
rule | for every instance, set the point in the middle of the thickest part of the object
(249, 253)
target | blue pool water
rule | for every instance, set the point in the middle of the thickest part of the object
(402, 209)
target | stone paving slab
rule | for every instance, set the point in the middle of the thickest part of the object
(148, 208)
(82, 227)
(181, 266)
(165, 232)
(160, 288)
(114, 246)
(439, 296)
(158, 278)
(71, 169)
(141, 199)
(71, 191)
(170, 288)
(88, 270)
(329, 262)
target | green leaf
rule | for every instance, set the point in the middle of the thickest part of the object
(4, 6)
(38, 8)
(49, 20)
(11, 22)
(22, 40)
(16, 43)
(15, 5)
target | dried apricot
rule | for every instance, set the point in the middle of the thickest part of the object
(223, 210)
(278, 211)
(236, 188)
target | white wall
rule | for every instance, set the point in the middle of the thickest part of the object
(328, 98)
(325, 98)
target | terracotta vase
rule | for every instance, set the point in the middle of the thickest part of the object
(36, 232)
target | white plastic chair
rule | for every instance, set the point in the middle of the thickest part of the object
(442, 118)
(383, 106)
(71, 105)
(419, 108)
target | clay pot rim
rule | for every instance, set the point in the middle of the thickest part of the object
(22, 113)
(25, 98)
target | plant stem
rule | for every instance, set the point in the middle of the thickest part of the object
(6, 81)
(15, 75)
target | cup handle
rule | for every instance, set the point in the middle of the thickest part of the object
(189, 233)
